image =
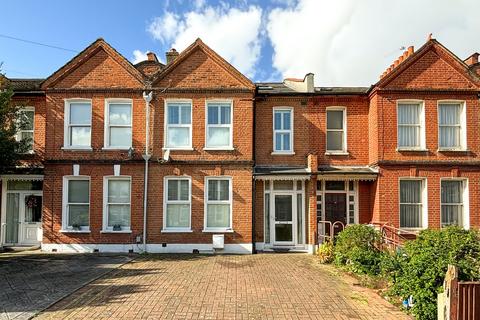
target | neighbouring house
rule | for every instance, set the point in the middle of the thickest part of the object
(191, 156)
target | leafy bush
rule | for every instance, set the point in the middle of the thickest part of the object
(325, 252)
(356, 247)
(420, 269)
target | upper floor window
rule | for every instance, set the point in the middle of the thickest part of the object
(118, 124)
(454, 195)
(412, 203)
(76, 203)
(336, 130)
(116, 211)
(26, 130)
(177, 204)
(178, 125)
(218, 204)
(78, 123)
(451, 126)
(219, 125)
(411, 128)
(283, 130)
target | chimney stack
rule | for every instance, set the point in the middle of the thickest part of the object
(152, 56)
(171, 55)
(473, 59)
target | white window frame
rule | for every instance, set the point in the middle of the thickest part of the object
(228, 229)
(463, 124)
(166, 125)
(65, 223)
(465, 199)
(344, 130)
(18, 136)
(166, 202)
(422, 146)
(208, 126)
(275, 131)
(105, 227)
(424, 203)
(107, 125)
(67, 125)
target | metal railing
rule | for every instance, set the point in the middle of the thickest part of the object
(323, 235)
(393, 237)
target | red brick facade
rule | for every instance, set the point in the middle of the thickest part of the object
(371, 163)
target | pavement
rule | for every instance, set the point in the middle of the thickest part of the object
(262, 286)
(31, 281)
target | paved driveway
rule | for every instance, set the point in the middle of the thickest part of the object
(263, 286)
(30, 282)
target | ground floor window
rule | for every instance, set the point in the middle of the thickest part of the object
(76, 203)
(337, 201)
(218, 203)
(453, 197)
(177, 203)
(117, 193)
(412, 208)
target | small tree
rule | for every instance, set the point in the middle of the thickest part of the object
(11, 121)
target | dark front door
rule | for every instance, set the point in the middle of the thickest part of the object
(336, 209)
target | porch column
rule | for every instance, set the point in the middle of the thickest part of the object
(312, 211)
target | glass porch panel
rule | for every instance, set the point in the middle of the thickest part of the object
(283, 232)
(299, 219)
(266, 220)
(283, 208)
(12, 218)
(34, 214)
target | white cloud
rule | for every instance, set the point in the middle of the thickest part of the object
(351, 42)
(232, 32)
(139, 56)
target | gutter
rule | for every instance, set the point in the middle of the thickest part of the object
(146, 157)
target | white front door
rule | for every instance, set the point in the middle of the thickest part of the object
(284, 222)
(23, 225)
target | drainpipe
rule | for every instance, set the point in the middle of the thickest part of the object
(146, 156)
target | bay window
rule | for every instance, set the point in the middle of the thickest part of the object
(412, 207)
(219, 125)
(177, 204)
(78, 123)
(116, 208)
(76, 203)
(118, 124)
(218, 204)
(178, 125)
(453, 194)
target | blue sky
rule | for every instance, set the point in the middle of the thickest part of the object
(344, 42)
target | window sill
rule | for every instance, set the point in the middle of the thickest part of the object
(337, 153)
(411, 230)
(177, 230)
(411, 150)
(77, 148)
(278, 153)
(221, 230)
(116, 148)
(453, 150)
(74, 231)
(219, 149)
(178, 149)
(121, 231)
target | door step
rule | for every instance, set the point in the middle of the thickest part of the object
(281, 250)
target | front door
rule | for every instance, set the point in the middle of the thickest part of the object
(283, 219)
(336, 209)
(23, 223)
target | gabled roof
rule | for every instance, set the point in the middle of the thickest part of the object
(83, 56)
(431, 44)
(199, 44)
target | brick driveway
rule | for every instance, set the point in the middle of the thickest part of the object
(263, 286)
(30, 282)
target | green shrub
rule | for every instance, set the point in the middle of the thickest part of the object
(421, 267)
(325, 252)
(356, 247)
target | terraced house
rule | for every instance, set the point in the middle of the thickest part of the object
(191, 156)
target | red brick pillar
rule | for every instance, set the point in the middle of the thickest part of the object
(311, 197)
